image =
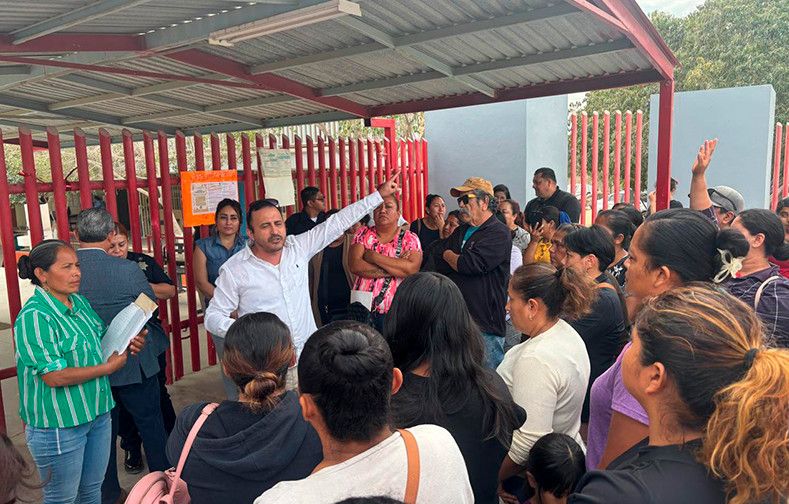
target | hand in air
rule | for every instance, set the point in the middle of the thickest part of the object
(704, 156)
(391, 186)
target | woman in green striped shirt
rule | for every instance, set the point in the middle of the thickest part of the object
(64, 392)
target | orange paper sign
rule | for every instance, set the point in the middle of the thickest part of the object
(201, 191)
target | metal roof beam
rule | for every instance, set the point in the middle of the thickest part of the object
(125, 92)
(40, 72)
(15, 70)
(553, 11)
(417, 54)
(270, 81)
(200, 30)
(72, 18)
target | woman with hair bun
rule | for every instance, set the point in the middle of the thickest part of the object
(759, 283)
(64, 390)
(247, 446)
(717, 403)
(548, 373)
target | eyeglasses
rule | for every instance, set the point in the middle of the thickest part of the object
(465, 198)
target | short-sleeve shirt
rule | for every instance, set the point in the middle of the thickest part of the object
(51, 337)
(384, 288)
(216, 254)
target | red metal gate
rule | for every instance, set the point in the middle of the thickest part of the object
(363, 165)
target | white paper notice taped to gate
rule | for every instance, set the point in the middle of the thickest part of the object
(278, 167)
(281, 189)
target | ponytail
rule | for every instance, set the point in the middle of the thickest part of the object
(564, 293)
(747, 445)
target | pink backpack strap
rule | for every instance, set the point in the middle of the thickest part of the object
(207, 410)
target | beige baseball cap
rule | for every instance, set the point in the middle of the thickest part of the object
(471, 184)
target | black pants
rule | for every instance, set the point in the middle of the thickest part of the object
(127, 429)
(142, 402)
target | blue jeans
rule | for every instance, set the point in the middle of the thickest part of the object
(494, 350)
(72, 460)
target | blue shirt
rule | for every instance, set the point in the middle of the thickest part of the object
(470, 231)
(216, 254)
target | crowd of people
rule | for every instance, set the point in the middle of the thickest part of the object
(483, 355)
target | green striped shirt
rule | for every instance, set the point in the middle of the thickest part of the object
(49, 337)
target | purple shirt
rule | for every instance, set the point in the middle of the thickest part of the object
(608, 395)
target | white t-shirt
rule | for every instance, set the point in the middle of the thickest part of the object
(547, 376)
(382, 471)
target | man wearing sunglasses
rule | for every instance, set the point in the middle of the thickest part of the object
(477, 259)
(270, 274)
(721, 203)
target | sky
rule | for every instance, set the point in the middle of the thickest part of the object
(675, 7)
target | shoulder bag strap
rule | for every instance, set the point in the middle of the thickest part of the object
(207, 410)
(388, 280)
(761, 289)
(412, 457)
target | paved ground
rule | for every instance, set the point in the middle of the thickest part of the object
(205, 385)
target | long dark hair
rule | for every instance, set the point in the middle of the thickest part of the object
(620, 224)
(429, 323)
(557, 463)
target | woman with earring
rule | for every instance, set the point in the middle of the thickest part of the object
(547, 374)
(65, 397)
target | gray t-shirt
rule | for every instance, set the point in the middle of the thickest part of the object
(382, 471)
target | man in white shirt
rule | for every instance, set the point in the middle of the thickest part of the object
(271, 273)
(346, 380)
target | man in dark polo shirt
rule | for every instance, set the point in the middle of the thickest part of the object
(549, 194)
(313, 206)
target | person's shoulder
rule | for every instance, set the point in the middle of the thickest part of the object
(188, 416)
(432, 439)
(611, 487)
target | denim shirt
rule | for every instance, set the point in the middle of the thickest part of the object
(216, 254)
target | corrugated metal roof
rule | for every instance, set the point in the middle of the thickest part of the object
(569, 46)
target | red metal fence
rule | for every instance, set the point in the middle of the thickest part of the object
(625, 179)
(363, 165)
(780, 185)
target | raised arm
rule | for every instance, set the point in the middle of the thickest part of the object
(699, 197)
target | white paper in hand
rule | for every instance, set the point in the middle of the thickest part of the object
(126, 325)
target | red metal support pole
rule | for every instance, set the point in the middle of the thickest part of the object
(606, 146)
(260, 143)
(786, 164)
(362, 168)
(379, 165)
(286, 145)
(108, 176)
(58, 184)
(9, 254)
(353, 174)
(595, 156)
(425, 174)
(343, 175)
(83, 174)
(776, 166)
(404, 191)
(134, 198)
(191, 300)
(216, 152)
(322, 176)
(628, 140)
(389, 126)
(412, 181)
(297, 145)
(618, 154)
(421, 189)
(311, 180)
(573, 153)
(232, 164)
(584, 135)
(246, 161)
(333, 173)
(665, 124)
(637, 174)
(371, 166)
(169, 234)
(156, 226)
(200, 166)
(31, 192)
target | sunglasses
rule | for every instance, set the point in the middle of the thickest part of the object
(272, 201)
(465, 198)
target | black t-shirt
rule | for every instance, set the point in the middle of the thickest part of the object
(654, 475)
(426, 235)
(153, 272)
(603, 332)
(619, 271)
(334, 293)
(483, 457)
(562, 200)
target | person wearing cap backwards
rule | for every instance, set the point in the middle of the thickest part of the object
(549, 194)
(721, 203)
(477, 258)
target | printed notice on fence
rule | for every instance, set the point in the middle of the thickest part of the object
(202, 191)
(278, 167)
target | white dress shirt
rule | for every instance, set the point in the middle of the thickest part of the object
(250, 285)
